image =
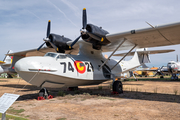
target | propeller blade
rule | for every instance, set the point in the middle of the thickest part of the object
(48, 29)
(155, 74)
(84, 19)
(74, 41)
(161, 73)
(40, 46)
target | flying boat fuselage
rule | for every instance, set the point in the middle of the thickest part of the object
(58, 70)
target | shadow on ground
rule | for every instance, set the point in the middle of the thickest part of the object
(26, 88)
(107, 93)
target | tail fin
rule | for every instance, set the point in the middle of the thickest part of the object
(8, 59)
(143, 55)
(177, 58)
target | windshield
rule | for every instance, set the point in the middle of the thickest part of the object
(51, 55)
(61, 56)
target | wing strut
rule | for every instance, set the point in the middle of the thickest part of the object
(112, 54)
(124, 57)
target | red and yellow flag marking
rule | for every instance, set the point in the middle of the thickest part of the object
(80, 67)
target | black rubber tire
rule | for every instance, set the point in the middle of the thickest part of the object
(73, 88)
(161, 76)
(118, 87)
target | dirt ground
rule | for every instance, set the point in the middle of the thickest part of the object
(141, 100)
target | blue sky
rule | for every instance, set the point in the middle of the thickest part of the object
(23, 23)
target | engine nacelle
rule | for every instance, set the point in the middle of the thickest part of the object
(59, 41)
(94, 30)
(94, 35)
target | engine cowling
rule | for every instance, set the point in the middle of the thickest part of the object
(95, 35)
(96, 30)
(59, 41)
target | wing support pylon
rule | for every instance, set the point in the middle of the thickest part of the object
(123, 57)
(112, 54)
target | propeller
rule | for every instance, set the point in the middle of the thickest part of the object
(47, 40)
(74, 42)
(159, 71)
(84, 24)
(47, 35)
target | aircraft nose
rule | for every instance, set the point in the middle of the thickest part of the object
(18, 66)
(21, 65)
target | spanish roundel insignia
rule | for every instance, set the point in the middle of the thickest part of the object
(80, 67)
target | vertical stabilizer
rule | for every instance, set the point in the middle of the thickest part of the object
(143, 55)
(177, 58)
(8, 59)
(140, 57)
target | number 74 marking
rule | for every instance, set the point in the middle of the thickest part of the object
(68, 65)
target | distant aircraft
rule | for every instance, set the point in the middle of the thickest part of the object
(5, 65)
(81, 62)
(172, 68)
(145, 70)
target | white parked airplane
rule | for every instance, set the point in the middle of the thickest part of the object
(80, 62)
(172, 68)
(5, 65)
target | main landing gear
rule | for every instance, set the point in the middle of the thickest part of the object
(174, 77)
(117, 87)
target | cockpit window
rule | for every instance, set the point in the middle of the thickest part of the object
(51, 55)
(171, 63)
(61, 56)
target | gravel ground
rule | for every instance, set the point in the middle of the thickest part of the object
(141, 100)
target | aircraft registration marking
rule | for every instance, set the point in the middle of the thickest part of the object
(80, 66)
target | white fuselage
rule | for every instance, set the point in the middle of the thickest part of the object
(64, 70)
(173, 67)
(57, 70)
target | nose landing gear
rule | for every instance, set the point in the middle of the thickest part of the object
(44, 94)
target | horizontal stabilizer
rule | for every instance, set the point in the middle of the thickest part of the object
(146, 52)
(2, 62)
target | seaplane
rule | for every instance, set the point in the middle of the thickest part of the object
(71, 63)
(5, 65)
